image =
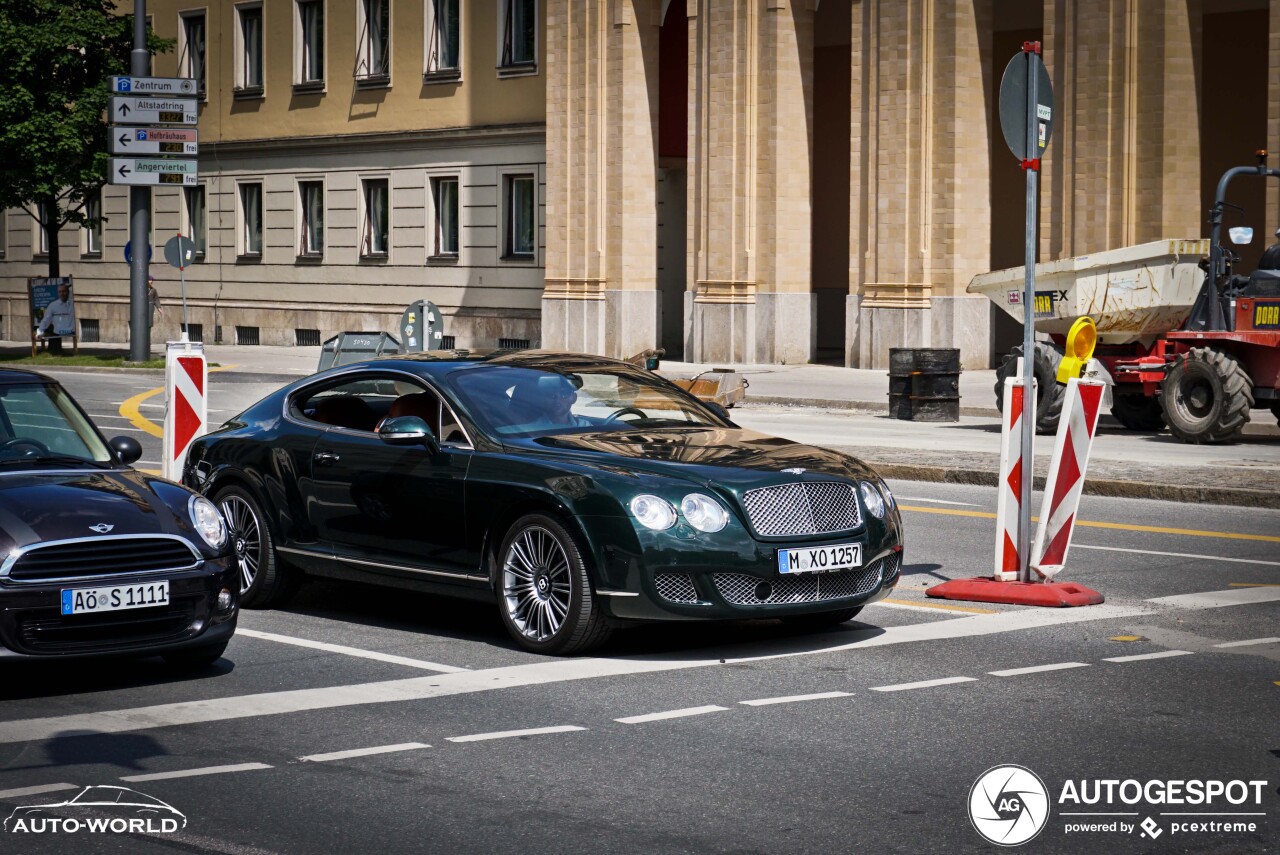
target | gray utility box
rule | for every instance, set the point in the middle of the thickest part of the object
(422, 326)
(345, 348)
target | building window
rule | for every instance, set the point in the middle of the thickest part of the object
(519, 33)
(309, 44)
(93, 230)
(443, 48)
(192, 49)
(444, 199)
(376, 210)
(373, 61)
(4, 231)
(42, 235)
(520, 216)
(311, 222)
(196, 219)
(250, 220)
(249, 50)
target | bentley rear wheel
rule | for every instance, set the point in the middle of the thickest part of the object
(264, 580)
(545, 592)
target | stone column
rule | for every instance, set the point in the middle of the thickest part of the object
(602, 89)
(919, 208)
(750, 69)
(1124, 164)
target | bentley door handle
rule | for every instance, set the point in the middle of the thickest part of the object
(325, 458)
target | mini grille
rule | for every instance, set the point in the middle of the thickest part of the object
(102, 557)
(802, 508)
(741, 590)
(676, 587)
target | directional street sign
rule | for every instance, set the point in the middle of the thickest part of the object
(152, 111)
(125, 140)
(137, 170)
(187, 87)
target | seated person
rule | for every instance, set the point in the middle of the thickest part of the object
(345, 411)
(1271, 256)
(546, 403)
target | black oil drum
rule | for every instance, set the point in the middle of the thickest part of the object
(924, 384)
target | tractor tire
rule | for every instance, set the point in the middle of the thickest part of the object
(1049, 394)
(1206, 396)
(1138, 412)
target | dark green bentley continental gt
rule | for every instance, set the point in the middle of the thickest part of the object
(577, 492)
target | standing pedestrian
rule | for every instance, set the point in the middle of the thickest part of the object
(153, 299)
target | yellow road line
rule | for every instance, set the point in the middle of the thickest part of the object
(1154, 529)
(1253, 585)
(920, 605)
(129, 409)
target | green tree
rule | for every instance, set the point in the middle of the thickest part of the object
(56, 56)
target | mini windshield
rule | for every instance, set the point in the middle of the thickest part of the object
(39, 423)
(531, 402)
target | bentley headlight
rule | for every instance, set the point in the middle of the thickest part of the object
(871, 499)
(208, 521)
(704, 513)
(653, 512)
(888, 496)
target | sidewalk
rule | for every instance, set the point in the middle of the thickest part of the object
(848, 409)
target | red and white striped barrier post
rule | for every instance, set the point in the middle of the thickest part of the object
(1017, 406)
(1080, 411)
(186, 413)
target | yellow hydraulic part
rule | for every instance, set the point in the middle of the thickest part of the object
(1081, 340)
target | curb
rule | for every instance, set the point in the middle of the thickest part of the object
(868, 407)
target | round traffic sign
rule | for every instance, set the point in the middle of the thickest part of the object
(1014, 108)
(128, 252)
(179, 251)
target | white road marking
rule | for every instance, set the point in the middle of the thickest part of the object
(564, 670)
(37, 790)
(1036, 669)
(923, 684)
(934, 611)
(934, 501)
(1217, 599)
(789, 699)
(1178, 554)
(659, 716)
(1163, 654)
(508, 734)
(363, 752)
(191, 773)
(1249, 642)
(350, 651)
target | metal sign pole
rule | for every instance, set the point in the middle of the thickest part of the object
(1031, 166)
(139, 215)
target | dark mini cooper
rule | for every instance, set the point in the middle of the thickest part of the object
(577, 492)
(95, 557)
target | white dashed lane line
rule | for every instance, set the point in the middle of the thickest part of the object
(511, 734)
(1037, 669)
(659, 716)
(923, 684)
(350, 651)
(36, 790)
(1141, 657)
(363, 752)
(192, 773)
(791, 699)
(1178, 555)
(1249, 642)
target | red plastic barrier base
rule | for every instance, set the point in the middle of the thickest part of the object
(985, 590)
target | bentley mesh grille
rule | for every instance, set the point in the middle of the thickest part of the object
(676, 587)
(802, 508)
(742, 590)
(102, 556)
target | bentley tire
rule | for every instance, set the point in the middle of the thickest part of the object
(265, 581)
(544, 591)
(196, 657)
(1049, 393)
(1206, 396)
(822, 620)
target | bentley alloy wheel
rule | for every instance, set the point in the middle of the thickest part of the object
(546, 598)
(264, 581)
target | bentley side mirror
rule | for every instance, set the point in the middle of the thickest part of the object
(408, 430)
(126, 449)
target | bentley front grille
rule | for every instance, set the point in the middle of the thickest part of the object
(742, 590)
(100, 556)
(803, 508)
(676, 587)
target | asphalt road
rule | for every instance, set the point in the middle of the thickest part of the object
(417, 726)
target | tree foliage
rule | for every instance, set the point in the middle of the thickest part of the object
(57, 56)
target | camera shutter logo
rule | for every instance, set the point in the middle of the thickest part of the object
(1009, 805)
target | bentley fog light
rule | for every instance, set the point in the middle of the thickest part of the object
(704, 513)
(871, 499)
(653, 512)
(208, 521)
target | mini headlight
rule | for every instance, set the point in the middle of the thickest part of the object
(703, 512)
(871, 499)
(653, 512)
(208, 521)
